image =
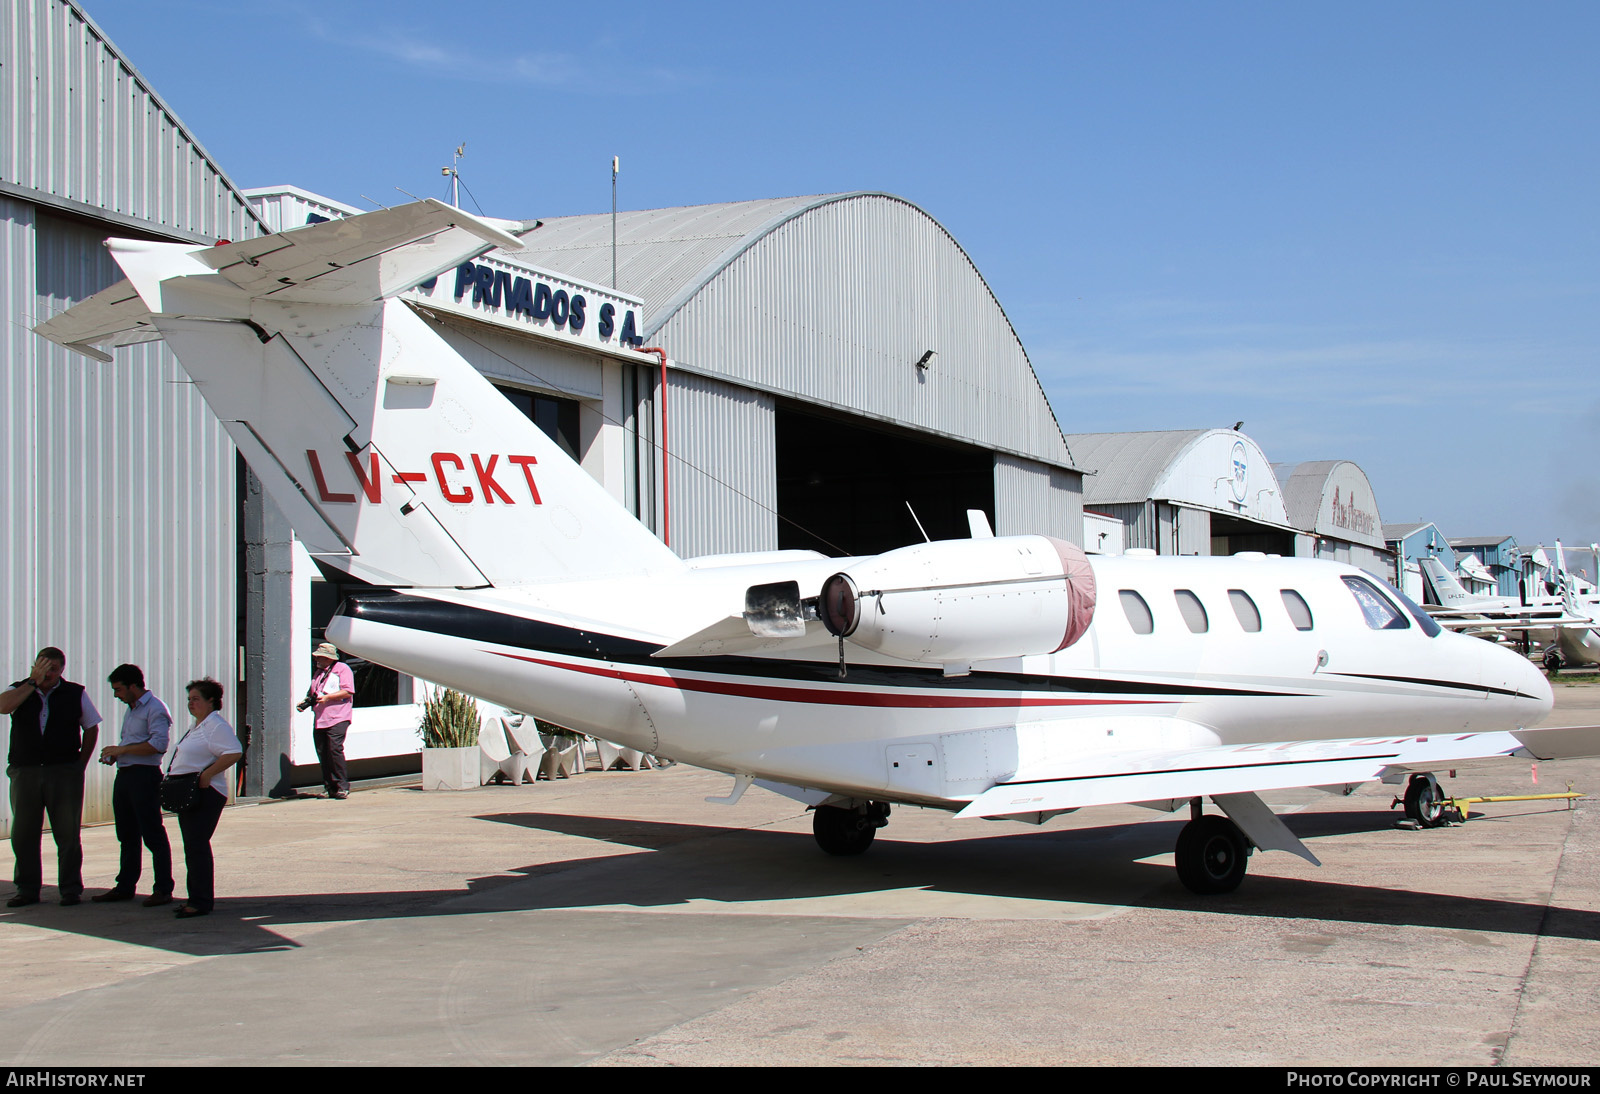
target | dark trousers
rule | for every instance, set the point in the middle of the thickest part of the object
(136, 805)
(330, 754)
(55, 790)
(197, 825)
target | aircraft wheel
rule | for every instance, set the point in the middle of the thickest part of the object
(844, 831)
(1212, 854)
(1425, 803)
(1553, 661)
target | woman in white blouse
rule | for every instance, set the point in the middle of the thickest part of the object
(209, 748)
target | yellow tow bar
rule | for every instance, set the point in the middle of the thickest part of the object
(1460, 805)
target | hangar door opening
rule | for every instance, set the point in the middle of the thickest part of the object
(843, 484)
(1230, 535)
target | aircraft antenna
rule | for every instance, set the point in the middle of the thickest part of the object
(925, 537)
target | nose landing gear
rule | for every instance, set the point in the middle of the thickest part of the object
(1425, 801)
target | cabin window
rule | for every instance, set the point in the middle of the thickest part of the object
(1299, 611)
(1194, 612)
(1137, 611)
(1245, 608)
(1379, 613)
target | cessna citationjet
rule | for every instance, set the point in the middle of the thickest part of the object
(994, 677)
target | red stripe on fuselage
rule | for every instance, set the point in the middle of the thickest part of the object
(830, 697)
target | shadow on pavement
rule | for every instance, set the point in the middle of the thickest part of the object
(678, 864)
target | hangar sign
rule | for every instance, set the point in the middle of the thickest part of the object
(538, 302)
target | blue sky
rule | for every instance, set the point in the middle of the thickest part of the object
(1371, 231)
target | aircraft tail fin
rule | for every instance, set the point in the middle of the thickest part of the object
(1446, 587)
(393, 458)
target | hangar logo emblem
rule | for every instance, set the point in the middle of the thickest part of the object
(1241, 468)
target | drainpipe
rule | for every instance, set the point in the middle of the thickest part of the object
(666, 493)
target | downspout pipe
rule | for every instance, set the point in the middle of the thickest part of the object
(666, 492)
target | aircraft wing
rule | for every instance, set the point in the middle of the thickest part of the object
(113, 317)
(1167, 775)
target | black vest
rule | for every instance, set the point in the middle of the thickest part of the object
(60, 743)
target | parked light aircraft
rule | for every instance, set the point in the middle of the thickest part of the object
(994, 677)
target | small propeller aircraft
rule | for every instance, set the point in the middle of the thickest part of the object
(994, 677)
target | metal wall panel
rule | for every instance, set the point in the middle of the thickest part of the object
(118, 489)
(1138, 519)
(1194, 531)
(722, 451)
(79, 125)
(1034, 498)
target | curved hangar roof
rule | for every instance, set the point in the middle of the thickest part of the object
(831, 299)
(1332, 498)
(1216, 469)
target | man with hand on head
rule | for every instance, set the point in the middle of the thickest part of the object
(53, 733)
(136, 795)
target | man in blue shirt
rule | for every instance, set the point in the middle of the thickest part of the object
(136, 794)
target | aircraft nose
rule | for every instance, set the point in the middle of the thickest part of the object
(1506, 669)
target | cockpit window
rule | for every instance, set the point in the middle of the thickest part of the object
(1137, 611)
(1299, 611)
(1379, 612)
(1245, 608)
(1193, 612)
(1429, 626)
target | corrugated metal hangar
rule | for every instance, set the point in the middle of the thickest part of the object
(117, 483)
(1212, 492)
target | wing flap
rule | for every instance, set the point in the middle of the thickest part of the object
(1153, 775)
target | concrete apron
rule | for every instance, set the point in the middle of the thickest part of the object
(619, 918)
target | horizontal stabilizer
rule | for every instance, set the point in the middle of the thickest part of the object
(1153, 775)
(362, 259)
(111, 317)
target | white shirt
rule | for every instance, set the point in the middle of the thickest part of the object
(209, 740)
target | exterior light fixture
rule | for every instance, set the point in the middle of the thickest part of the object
(924, 361)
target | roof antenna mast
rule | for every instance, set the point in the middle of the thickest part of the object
(616, 164)
(454, 174)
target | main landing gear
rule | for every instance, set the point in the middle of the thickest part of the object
(1211, 854)
(848, 830)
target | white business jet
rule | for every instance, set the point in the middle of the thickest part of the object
(993, 677)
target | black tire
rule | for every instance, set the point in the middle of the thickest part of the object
(1553, 661)
(1212, 855)
(842, 831)
(1425, 803)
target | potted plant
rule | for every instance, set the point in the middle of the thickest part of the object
(449, 741)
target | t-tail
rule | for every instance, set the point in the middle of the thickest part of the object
(393, 458)
(1446, 588)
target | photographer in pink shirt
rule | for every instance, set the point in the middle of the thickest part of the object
(332, 692)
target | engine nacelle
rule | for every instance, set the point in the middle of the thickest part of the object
(963, 600)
